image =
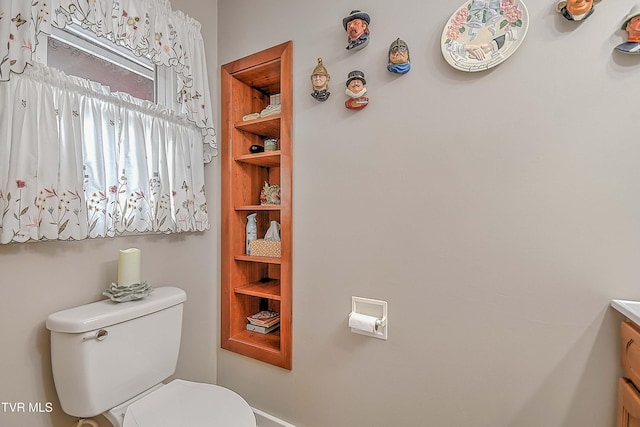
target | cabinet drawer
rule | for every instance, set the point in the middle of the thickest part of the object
(628, 405)
(630, 351)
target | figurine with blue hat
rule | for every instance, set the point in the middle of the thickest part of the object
(356, 24)
(631, 25)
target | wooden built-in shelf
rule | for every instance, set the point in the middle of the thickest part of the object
(249, 283)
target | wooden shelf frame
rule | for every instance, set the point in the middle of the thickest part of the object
(246, 88)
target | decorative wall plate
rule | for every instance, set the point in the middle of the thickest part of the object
(483, 33)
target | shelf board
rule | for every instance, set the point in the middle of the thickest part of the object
(265, 77)
(264, 259)
(270, 289)
(258, 208)
(268, 159)
(264, 126)
(268, 342)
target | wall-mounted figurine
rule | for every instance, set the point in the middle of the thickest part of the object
(356, 24)
(576, 10)
(399, 61)
(631, 25)
(320, 82)
(356, 90)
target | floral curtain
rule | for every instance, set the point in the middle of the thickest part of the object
(77, 161)
(149, 28)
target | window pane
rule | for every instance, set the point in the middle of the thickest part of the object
(76, 62)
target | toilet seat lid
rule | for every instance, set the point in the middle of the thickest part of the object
(185, 403)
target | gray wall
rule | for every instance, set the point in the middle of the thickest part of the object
(496, 212)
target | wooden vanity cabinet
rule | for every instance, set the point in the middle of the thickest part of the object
(628, 394)
(628, 404)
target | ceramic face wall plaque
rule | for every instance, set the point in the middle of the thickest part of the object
(356, 90)
(399, 61)
(320, 82)
(576, 10)
(484, 33)
(631, 25)
(356, 24)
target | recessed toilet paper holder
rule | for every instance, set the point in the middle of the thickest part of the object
(369, 317)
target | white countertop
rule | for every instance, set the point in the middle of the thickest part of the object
(631, 309)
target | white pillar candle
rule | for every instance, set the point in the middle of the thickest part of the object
(129, 267)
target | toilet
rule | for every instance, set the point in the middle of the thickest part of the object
(112, 358)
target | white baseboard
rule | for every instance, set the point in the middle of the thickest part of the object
(266, 420)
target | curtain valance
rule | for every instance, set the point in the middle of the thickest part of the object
(149, 28)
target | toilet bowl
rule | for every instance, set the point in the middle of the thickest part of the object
(112, 358)
(184, 403)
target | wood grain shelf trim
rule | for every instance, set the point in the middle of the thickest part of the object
(258, 208)
(269, 159)
(263, 259)
(269, 289)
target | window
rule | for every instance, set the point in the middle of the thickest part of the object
(79, 52)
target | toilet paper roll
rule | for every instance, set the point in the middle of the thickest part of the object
(363, 323)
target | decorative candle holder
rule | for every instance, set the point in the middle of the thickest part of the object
(128, 293)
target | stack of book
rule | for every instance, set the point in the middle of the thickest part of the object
(264, 321)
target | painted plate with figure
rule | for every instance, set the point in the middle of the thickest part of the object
(483, 33)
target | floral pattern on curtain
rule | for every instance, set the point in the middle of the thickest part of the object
(150, 28)
(73, 153)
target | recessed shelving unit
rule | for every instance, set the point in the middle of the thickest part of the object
(251, 283)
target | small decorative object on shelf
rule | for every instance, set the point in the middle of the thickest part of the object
(265, 318)
(251, 116)
(251, 231)
(270, 144)
(399, 61)
(273, 233)
(269, 246)
(356, 24)
(356, 90)
(320, 82)
(270, 110)
(270, 194)
(255, 148)
(576, 10)
(631, 25)
(262, 329)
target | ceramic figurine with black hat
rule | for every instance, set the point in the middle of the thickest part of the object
(399, 61)
(356, 90)
(631, 25)
(320, 82)
(356, 24)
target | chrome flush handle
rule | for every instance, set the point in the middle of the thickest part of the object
(100, 335)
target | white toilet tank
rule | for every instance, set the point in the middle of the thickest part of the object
(105, 353)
